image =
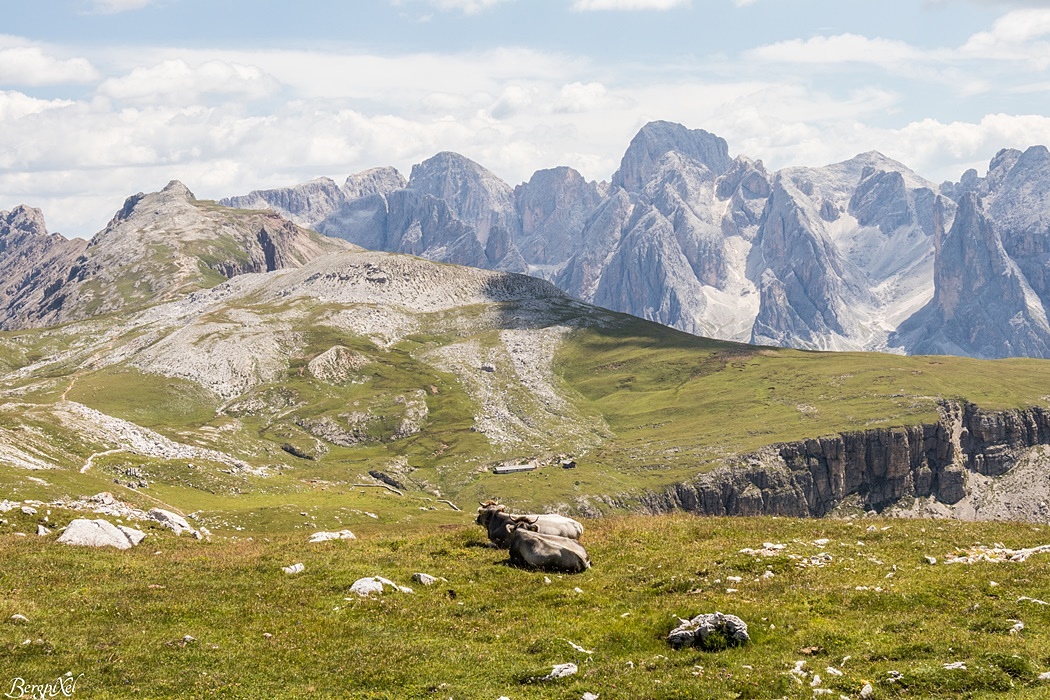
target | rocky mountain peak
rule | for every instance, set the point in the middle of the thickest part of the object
(658, 138)
(22, 220)
(373, 181)
(476, 196)
(177, 189)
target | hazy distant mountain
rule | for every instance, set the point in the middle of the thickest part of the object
(858, 255)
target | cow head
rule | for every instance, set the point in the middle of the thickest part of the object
(486, 510)
(523, 522)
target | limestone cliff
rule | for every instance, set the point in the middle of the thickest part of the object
(878, 467)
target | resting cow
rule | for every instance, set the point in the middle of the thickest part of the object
(494, 518)
(548, 552)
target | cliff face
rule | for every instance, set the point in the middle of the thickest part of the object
(811, 477)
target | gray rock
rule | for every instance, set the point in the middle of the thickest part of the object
(424, 579)
(173, 521)
(17, 619)
(561, 671)
(327, 536)
(699, 630)
(134, 536)
(42, 531)
(94, 533)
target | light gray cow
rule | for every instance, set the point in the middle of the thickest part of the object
(535, 550)
(494, 517)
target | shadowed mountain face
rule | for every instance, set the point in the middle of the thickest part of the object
(841, 257)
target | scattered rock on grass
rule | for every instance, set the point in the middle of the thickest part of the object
(425, 579)
(326, 536)
(709, 631)
(293, 569)
(371, 585)
(42, 531)
(560, 671)
(19, 619)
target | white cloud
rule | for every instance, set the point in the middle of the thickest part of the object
(467, 7)
(30, 65)
(175, 81)
(1013, 38)
(838, 49)
(15, 105)
(593, 5)
(112, 7)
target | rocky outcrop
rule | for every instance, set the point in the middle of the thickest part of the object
(878, 467)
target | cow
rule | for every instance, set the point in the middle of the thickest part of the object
(494, 517)
(534, 550)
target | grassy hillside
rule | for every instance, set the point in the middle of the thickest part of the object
(642, 406)
(858, 596)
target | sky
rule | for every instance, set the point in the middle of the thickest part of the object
(100, 99)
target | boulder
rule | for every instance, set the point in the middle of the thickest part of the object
(172, 521)
(94, 533)
(709, 631)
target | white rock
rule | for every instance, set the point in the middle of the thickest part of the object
(134, 536)
(561, 671)
(172, 521)
(1044, 676)
(6, 505)
(293, 569)
(28, 510)
(42, 531)
(956, 666)
(867, 691)
(94, 533)
(589, 696)
(832, 671)
(365, 587)
(425, 579)
(19, 619)
(327, 536)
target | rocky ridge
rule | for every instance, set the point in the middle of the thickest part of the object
(857, 255)
(158, 247)
(942, 462)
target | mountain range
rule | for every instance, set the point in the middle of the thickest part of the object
(859, 255)
(231, 360)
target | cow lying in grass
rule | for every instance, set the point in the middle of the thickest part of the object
(534, 550)
(494, 518)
